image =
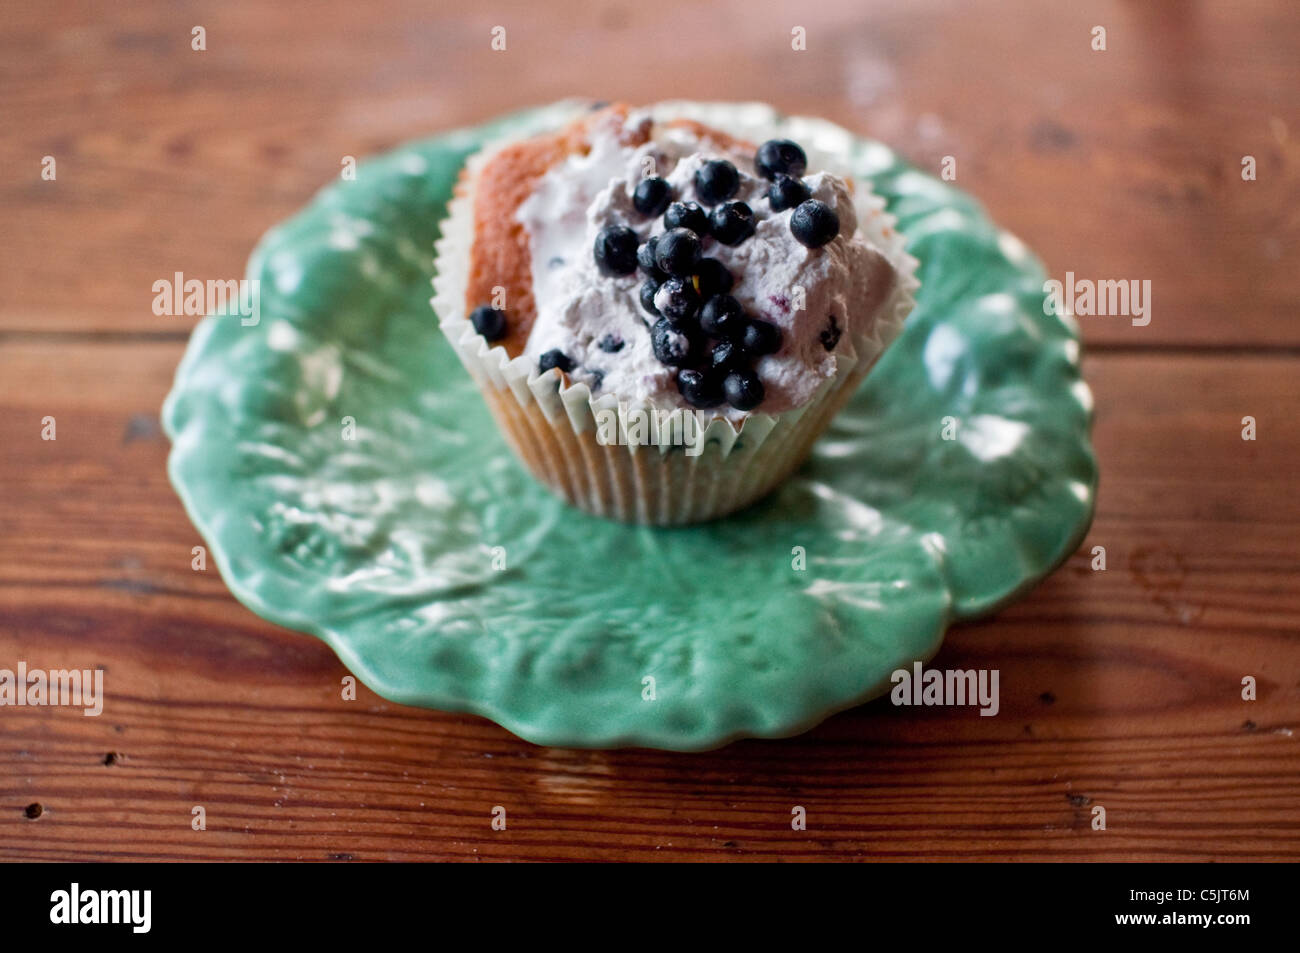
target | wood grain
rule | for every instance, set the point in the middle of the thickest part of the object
(1119, 688)
(1122, 164)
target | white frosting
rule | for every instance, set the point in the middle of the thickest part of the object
(577, 306)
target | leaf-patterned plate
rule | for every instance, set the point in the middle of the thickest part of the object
(351, 484)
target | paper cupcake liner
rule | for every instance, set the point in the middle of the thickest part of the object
(556, 429)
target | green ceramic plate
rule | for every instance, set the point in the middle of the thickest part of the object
(351, 484)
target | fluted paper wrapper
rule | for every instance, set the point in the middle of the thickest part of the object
(557, 430)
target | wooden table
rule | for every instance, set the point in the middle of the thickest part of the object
(1120, 688)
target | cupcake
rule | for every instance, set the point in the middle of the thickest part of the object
(665, 307)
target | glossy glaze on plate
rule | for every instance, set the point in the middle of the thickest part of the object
(351, 484)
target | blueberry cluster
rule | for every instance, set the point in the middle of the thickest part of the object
(700, 329)
(783, 162)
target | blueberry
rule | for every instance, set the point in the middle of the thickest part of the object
(786, 192)
(777, 156)
(732, 223)
(555, 358)
(712, 278)
(648, 289)
(831, 336)
(727, 356)
(699, 390)
(672, 344)
(610, 343)
(489, 322)
(652, 196)
(677, 251)
(716, 181)
(743, 389)
(814, 223)
(645, 259)
(677, 300)
(761, 337)
(615, 250)
(687, 215)
(722, 317)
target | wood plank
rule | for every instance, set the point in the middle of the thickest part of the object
(1122, 164)
(1119, 688)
